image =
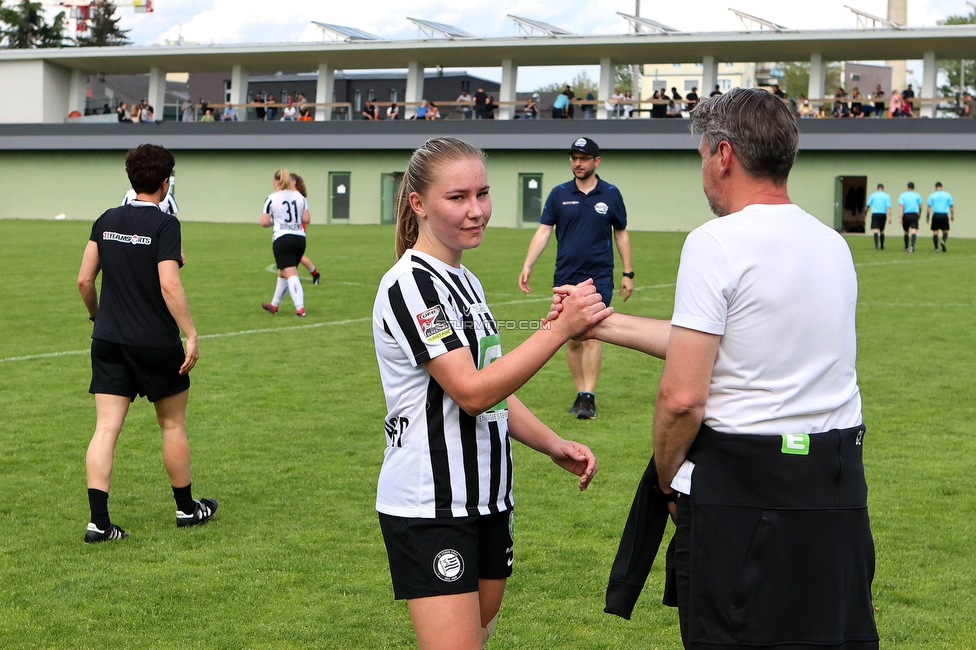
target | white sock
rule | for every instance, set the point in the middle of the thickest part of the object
(280, 290)
(297, 294)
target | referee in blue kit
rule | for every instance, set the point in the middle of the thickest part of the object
(586, 213)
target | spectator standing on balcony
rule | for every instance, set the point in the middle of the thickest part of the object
(466, 101)
(393, 111)
(531, 110)
(589, 111)
(658, 107)
(857, 107)
(559, 107)
(259, 110)
(490, 108)
(568, 91)
(968, 106)
(480, 99)
(613, 103)
(272, 109)
(675, 95)
(716, 92)
(302, 102)
(187, 111)
(894, 105)
(628, 105)
(691, 99)
(907, 95)
(942, 210)
(779, 93)
(586, 213)
(879, 101)
(230, 113)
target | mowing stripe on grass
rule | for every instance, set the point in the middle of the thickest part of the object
(267, 330)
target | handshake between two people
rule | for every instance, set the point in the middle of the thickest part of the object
(577, 310)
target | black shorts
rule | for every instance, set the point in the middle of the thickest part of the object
(437, 557)
(940, 222)
(130, 370)
(878, 221)
(909, 220)
(288, 250)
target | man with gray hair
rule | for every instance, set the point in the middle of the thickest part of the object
(758, 434)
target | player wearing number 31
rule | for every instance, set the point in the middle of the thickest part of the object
(286, 209)
(445, 489)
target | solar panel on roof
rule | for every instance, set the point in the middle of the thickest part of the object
(349, 33)
(448, 31)
(538, 25)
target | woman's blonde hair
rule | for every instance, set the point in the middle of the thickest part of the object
(299, 183)
(282, 179)
(419, 177)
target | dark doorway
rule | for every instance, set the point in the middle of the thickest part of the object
(850, 194)
(339, 182)
(530, 198)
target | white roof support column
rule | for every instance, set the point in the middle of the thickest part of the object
(157, 92)
(507, 92)
(709, 76)
(818, 77)
(608, 77)
(78, 91)
(415, 87)
(930, 74)
(324, 88)
(238, 89)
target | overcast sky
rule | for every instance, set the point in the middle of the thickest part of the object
(261, 21)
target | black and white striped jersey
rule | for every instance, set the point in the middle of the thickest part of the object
(439, 460)
(286, 208)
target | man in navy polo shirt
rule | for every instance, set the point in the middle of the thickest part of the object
(585, 212)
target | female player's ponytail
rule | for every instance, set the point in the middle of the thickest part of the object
(418, 178)
(283, 180)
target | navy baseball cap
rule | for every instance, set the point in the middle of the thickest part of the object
(586, 146)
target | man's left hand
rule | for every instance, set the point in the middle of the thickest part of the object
(626, 288)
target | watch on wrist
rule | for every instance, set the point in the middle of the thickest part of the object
(629, 274)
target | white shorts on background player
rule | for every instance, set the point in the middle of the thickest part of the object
(439, 462)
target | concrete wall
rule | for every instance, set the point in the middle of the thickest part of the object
(39, 92)
(662, 190)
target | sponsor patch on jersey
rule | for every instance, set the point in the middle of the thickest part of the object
(448, 565)
(434, 324)
(494, 416)
(143, 240)
(601, 208)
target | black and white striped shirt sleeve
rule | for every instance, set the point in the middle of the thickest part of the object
(421, 316)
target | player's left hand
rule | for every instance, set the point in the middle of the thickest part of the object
(626, 288)
(576, 458)
(192, 354)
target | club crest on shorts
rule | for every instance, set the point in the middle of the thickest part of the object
(448, 565)
(601, 208)
(434, 324)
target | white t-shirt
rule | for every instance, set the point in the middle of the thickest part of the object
(167, 205)
(439, 461)
(779, 287)
(286, 208)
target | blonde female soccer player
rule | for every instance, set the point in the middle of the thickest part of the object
(445, 489)
(287, 211)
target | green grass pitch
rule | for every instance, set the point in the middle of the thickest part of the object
(285, 424)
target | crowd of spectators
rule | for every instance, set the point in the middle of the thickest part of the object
(566, 105)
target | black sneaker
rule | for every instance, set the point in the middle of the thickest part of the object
(316, 277)
(587, 410)
(943, 247)
(205, 510)
(93, 535)
(577, 404)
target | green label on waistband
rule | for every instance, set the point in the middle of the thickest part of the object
(796, 443)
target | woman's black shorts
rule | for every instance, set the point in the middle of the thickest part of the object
(130, 370)
(288, 250)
